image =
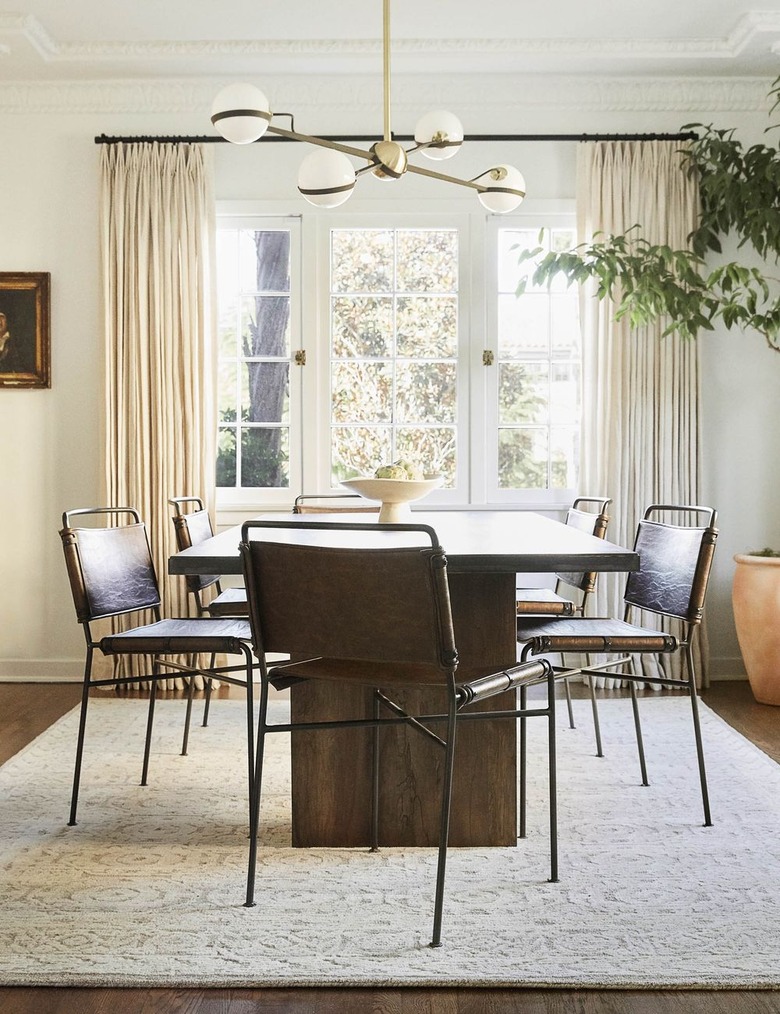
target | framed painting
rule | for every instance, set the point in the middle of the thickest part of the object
(25, 341)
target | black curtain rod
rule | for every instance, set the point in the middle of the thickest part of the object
(213, 139)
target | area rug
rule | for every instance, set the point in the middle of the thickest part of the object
(148, 888)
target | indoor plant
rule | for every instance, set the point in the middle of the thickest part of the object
(740, 196)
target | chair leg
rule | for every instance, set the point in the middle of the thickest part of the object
(188, 716)
(567, 689)
(149, 726)
(595, 709)
(74, 796)
(374, 847)
(553, 764)
(638, 726)
(250, 723)
(209, 688)
(444, 827)
(255, 793)
(705, 796)
(523, 773)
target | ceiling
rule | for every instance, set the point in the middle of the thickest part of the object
(78, 40)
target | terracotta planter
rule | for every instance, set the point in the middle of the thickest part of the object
(756, 600)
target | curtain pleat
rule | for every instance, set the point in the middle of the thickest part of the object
(641, 425)
(157, 249)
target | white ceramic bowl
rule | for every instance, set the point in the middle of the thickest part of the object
(395, 495)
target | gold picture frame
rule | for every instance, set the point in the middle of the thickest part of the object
(25, 339)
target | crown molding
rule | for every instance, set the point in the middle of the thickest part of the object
(745, 32)
(348, 98)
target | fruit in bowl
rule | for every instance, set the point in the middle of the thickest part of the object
(401, 469)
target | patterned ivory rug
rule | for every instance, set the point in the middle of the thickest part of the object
(147, 889)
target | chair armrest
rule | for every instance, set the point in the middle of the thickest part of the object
(500, 682)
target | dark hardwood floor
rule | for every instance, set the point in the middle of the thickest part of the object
(28, 709)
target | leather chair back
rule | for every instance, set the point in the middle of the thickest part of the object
(342, 602)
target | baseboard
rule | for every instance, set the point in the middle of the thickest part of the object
(41, 670)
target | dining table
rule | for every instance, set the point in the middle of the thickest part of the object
(331, 768)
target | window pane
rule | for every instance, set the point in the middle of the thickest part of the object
(434, 450)
(522, 458)
(265, 392)
(362, 392)
(427, 326)
(523, 392)
(227, 397)
(228, 328)
(362, 326)
(359, 450)
(226, 457)
(565, 325)
(265, 457)
(265, 326)
(523, 325)
(427, 260)
(565, 393)
(511, 242)
(426, 392)
(264, 260)
(361, 260)
(564, 456)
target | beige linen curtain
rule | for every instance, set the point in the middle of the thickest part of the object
(641, 425)
(157, 249)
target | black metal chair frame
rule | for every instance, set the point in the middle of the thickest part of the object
(585, 583)
(226, 603)
(659, 598)
(459, 696)
(309, 503)
(128, 594)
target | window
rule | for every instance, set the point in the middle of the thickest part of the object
(535, 398)
(258, 400)
(393, 350)
(410, 343)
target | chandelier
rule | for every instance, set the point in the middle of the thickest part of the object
(242, 115)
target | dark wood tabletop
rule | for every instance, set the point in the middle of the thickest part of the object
(487, 542)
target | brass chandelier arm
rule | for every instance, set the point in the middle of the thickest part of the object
(293, 135)
(347, 149)
(479, 187)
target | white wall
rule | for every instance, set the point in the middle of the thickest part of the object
(50, 456)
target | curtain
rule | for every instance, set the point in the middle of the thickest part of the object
(641, 423)
(157, 250)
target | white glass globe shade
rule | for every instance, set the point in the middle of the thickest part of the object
(326, 178)
(495, 199)
(446, 126)
(241, 113)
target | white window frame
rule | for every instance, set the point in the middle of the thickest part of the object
(243, 498)
(547, 215)
(385, 218)
(477, 332)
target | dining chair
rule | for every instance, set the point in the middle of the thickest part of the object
(112, 574)
(192, 525)
(675, 563)
(332, 503)
(587, 514)
(376, 616)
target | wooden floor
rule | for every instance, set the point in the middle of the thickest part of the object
(26, 710)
